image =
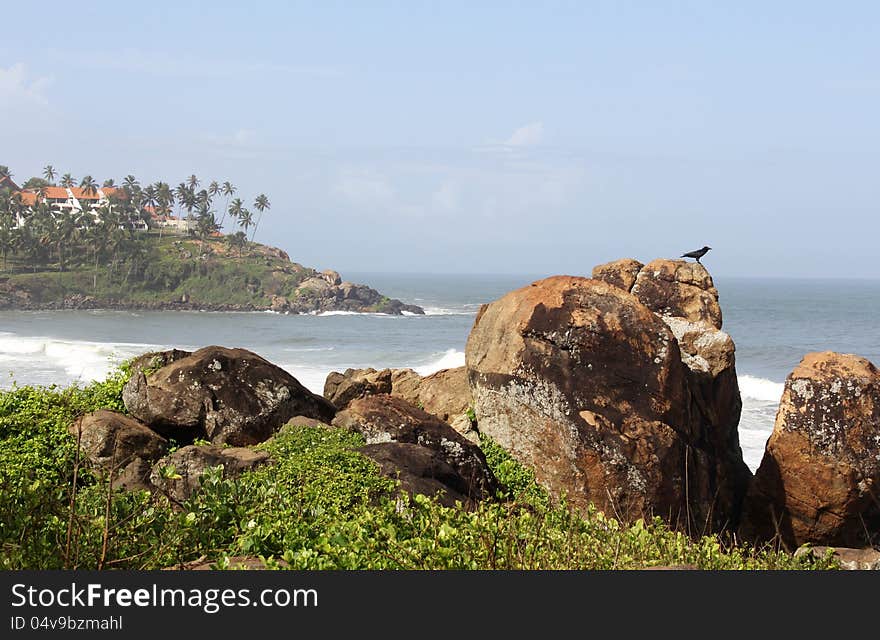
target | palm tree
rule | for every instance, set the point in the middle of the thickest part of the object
(228, 189)
(5, 172)
(213, 188)
(7, 243)
(49, 173)
(68, 181)
(88, 186)
(237, 240)
(65, 232)
(245, 219)
(260, 204)
(193, 182)
(130, 184)
(109, 183)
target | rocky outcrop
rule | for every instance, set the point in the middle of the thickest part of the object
(819, 480)
(684, 296)
(445, 394)
(586, 385)
(342, 388)
(326, 291)
(178, 475)
(119, 446)
(229, 396)
(386, 420)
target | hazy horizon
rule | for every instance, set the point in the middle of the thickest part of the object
(480, 138)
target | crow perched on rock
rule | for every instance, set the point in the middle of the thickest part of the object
(699, 253)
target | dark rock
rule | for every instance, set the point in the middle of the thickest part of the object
(420, 470)
(383, 419)
(191, 462)
(230, 396)
(112, 442)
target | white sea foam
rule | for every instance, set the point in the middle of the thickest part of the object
(449, 359)
(351, 313)
(443, 311)
(760, 389)
(79, 359)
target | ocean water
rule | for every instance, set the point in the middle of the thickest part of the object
(773, 322)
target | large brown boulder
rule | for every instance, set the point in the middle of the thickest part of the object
(586, 385)
(683, 295)
(819, 480)
(387, 419)
(178, 475)
(118, 445)
(447, 395)
(230, 396)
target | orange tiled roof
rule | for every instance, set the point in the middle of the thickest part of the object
(28, 198)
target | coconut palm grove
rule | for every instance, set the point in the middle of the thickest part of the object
(56, 222)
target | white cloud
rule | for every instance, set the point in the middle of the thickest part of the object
(527, 135)
(165, 64)
(17, 89)
(239, 138)
(446, 199)
(363, 187)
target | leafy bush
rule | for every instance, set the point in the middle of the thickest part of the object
(320, 505)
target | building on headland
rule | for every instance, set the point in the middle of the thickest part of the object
(72, 200)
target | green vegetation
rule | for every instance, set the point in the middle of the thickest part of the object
(321, 505)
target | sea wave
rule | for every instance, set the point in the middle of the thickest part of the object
(449, 359)
(760, 389)
(80, 359)
(444, 311)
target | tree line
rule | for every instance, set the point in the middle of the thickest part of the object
(109, 231)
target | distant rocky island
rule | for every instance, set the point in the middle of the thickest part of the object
(179, 273)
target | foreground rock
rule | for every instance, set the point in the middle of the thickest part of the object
(191, 462)
(586, 385)
(445, 394)
(819, 480)
(229, 396)
(120, 446)
(448, 462)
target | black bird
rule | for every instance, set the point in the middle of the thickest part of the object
(699, 253)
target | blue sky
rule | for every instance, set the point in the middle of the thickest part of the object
(477, 136)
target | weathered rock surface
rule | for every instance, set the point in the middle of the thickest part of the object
(115, 443)
(684, 296)
(680, 289)
(342, 388)
(445, 394)
(386, 419)
(586, 385)
(191, 462)
(248, 563)
(420, 470)
(229, 396)
(620, 273)
(819, 480)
